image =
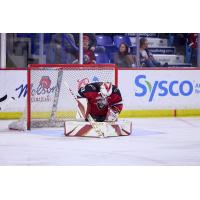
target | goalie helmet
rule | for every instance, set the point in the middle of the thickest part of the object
(106, 89)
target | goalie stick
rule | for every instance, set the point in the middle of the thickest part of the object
(7, 102)
(89, 117)
(56, 97)
(3, 98)
(19, 125)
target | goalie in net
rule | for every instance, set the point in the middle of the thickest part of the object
(102, 100)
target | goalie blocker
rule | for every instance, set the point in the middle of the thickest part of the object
(103, 102)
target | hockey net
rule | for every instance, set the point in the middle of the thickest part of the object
(49, 103)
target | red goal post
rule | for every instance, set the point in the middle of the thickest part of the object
(48, 102)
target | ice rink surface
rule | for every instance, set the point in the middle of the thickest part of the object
(154, 141)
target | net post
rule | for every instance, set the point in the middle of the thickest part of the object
(28, 98)
(116, 75)
(3, 50)
(198, 51)
(138, 50)
(81, 48)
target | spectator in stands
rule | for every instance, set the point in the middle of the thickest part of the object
(88, 54)
(179, 42)
(192, 42)
(65, 40)
(123, 59)
(92, 40)
(146, 57)
(61, 49)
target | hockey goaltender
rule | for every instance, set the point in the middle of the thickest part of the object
(99, 105)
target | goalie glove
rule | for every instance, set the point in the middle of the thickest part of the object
(112, 116)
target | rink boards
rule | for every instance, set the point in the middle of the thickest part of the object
(145, 92)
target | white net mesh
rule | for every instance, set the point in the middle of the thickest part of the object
(51, 102)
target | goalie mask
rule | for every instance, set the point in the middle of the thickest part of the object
(106, 89)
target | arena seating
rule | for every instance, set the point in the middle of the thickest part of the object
(162, 50)
(103, 40)
(158, 46)
(101, 58)
(34, 38)
(149, 35)
(180, 65)
(100, 49)
(153, 42)
(107, 46)
(170, 59)
(118, 39)
(188, 53)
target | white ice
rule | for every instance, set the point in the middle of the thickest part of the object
(154, 141)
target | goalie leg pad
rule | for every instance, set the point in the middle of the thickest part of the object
(112, 129)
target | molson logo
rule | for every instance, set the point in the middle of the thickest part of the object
(45, 82)
(39, 92)
(162, 87)
(44, 87)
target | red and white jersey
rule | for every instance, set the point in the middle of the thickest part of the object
(99, 105)
(193, 40)
(89, 57)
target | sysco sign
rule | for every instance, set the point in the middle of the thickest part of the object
(162, 87)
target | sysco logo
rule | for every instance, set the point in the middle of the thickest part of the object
(162, 88)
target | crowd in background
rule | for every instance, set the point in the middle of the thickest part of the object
(64, 48)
